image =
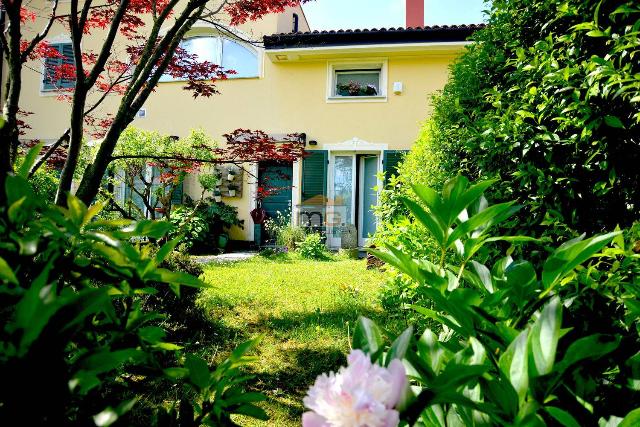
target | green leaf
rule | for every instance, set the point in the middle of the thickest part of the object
(367, 336)
(563, 417)
(147, 228)
(614, 122)
(166, 249)
(199, 374)
(152, 334)
(93, 210)
(175, 278)
(176, 373)
(631, 420)
(484, 218)
(520, 274)
(111, 415)
(513, 364)
(430, 350)
(29, 160)
(400, 346)
(472, 194)
(252, 411)
(6, 273)
(484, 275)
(409, 266)
(16, 188)
(571, 254)
(596, 33)
(429, 219)
(77, 210)
(106, 361)
(543, 339)
(247, 397)
(591, 347)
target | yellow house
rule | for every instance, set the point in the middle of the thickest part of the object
(357, 96)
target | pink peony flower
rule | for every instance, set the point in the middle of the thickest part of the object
(361, 394)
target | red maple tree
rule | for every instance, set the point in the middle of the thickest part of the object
(140, 42)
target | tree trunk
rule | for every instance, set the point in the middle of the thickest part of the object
(92, 176)
(75, 145)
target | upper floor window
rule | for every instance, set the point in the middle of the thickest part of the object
(52, 75)
(358, 80)
(225, 52)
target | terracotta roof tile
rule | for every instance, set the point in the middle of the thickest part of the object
(436, 33)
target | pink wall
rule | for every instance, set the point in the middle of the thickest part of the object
(415, 13)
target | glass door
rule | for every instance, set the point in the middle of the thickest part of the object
(342, 186)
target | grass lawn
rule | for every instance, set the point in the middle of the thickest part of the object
(305, 311)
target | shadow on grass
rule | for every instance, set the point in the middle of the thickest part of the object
(300, 371)
(289, 258)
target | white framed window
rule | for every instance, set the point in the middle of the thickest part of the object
(229, 54)
(357, 81)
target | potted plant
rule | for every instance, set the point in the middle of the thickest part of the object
(232, 191)
(223, 241)
(231, 175)
(217, 196)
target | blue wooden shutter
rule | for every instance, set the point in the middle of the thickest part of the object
(391, 160)
(48, 82)
(314, 174)
(67, 52)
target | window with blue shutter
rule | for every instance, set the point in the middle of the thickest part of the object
(391, 161)
(49, 81)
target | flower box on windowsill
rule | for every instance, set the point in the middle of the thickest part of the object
(337, 98)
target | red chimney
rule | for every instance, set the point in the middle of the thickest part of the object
(415, 13)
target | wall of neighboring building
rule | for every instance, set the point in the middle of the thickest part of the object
(286, 98)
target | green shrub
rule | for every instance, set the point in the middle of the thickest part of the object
(74, 330)
(313, 247)
(554, 342)
(191, 225)
(202, 223)
(547, 100)
(182, 315)
(283, 232)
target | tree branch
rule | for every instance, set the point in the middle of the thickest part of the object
(64, 137)
(105, 52)
(40, 36)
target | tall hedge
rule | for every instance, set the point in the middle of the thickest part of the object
(548, 100)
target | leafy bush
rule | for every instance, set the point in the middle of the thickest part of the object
(312, 247)
(201, 223)
(283, 232)
(73, 327)
(191, 225)
(182, 315)
(516, 342)
(546, 100)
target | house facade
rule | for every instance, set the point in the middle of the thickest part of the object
(358, 98)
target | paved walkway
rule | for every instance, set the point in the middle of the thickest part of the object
(224, 258)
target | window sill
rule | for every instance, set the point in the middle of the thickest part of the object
(347, 99)
(56, 92)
